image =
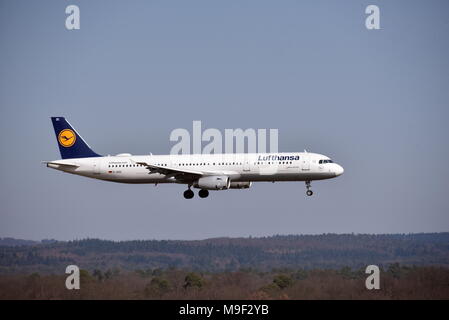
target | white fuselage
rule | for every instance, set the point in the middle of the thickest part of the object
(302, 166)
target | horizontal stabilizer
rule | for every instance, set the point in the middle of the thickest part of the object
(60, 164)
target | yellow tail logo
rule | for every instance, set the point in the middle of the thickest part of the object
(67, 138)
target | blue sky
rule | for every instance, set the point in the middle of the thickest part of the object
(375, 101)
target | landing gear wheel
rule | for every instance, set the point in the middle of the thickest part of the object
(188, 194)
(308, 186)
(203, 193)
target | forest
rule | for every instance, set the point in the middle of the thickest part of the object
(396, 282)
(326, 251)
(327, 266)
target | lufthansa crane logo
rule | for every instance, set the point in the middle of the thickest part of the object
(67, 138)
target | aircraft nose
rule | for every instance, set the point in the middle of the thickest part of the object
(338, 170)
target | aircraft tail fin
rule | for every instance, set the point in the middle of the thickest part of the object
(71, 144)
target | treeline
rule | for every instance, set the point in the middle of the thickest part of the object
(396, 282)
(327, 251)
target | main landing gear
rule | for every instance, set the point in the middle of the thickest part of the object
(203, 193)
(188, 194)
(308, 186)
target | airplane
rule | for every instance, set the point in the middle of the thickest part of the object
(203, 171)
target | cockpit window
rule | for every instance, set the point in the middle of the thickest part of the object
(325, 161)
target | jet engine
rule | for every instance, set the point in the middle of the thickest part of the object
(213, 183)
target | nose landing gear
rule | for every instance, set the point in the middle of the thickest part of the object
(308, 186)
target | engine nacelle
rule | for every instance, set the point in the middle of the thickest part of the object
(240, 185)
(213, 183)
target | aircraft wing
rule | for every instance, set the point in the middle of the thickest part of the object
(179, 174)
